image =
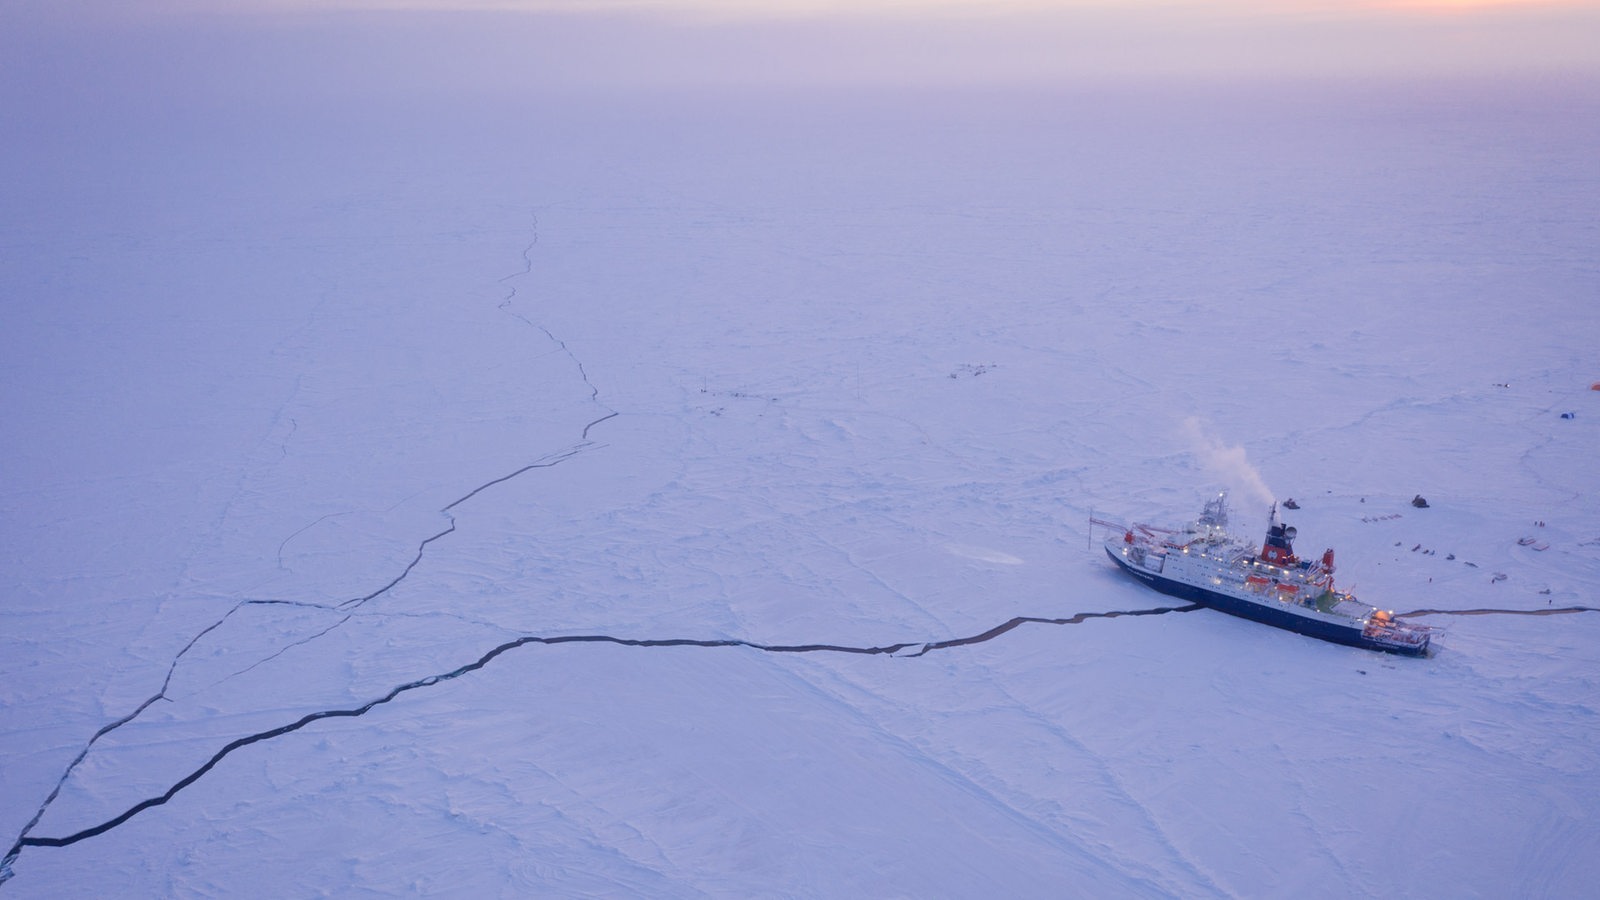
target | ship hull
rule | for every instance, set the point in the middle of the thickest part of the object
(1267, 615)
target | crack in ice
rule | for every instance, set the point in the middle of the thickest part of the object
(25, 839)
(922, 648)
(1557, 611)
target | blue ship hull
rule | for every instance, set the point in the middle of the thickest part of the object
(1350, 636)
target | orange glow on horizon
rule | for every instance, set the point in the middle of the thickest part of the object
(745, 9)
(1466, 6)
(965, 42)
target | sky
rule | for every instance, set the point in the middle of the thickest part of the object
(666, 43)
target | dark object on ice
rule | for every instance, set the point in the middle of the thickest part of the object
(1290, 504)
(1418, 502)
(1498, 576)
(1567, 415)
(1451, 556)
(1204, 564)
(1416, 548)
(1472, 564)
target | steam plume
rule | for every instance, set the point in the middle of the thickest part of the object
(1228, 464)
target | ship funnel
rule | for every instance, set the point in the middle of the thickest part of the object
(1278, 548)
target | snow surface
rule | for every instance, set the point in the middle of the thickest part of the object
(305, 406)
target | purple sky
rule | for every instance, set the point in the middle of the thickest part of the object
(629, 43)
